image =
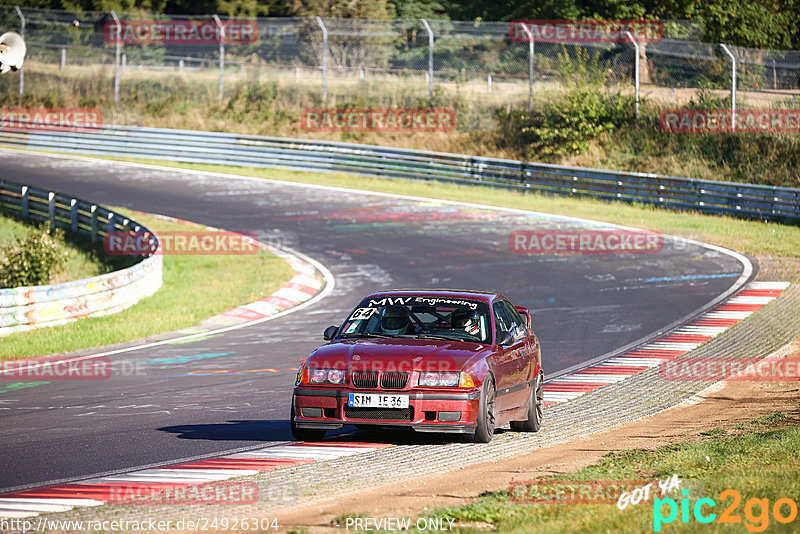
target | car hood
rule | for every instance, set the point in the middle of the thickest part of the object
(397, 354)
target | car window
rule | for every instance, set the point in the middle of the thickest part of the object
(517, 319)
(419, 316)
(509, 320)
(502, 320)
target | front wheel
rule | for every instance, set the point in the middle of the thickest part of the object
(486, 412)
(535, 409)
(305, 434)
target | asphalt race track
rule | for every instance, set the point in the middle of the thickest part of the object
(584, 306)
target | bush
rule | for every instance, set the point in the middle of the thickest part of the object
(567, 125)
(34, 260)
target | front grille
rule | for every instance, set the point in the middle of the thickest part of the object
(365, 379)
(394, 380)
(386, 414)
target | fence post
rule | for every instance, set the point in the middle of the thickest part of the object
(118, 40)
(324, 59)
(733, 86)
(63, 58)
(489, 83)
(635, 69)
(430, 57)
(22, 33)
(530, 66)
(25, 203)
(73, 219)
(93, 211)
(221, 56)
(51, 209)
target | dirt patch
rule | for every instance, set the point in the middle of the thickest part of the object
(720, 405)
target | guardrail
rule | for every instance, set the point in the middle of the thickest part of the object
(25, 308)
(707, 196)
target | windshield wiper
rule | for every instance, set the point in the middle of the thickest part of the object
(367, 334)
(436, 336)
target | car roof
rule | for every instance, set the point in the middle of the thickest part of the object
(485, 296)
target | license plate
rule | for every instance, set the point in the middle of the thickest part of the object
(376, 400)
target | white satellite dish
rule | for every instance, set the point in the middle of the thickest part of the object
(12, 52)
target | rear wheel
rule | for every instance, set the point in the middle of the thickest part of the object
(305, 434)
(535, 409)
(486, 412)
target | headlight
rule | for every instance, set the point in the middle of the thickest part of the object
(336, 376)
(322, 376)
(433, 379)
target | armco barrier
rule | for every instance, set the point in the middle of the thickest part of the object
(736, 199)
(25, 308)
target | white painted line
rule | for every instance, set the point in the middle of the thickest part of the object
(768, 285)
(14, 514)
(54, 500)
(635, 362)
(37, 507)
(585, 377)
(721, 314)
(667, 345)
(750, 300)
(291, 294)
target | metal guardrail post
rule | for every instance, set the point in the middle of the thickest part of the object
(22, 33)
(530, 66)
(51, 209)
(635, 69)
(324, 59)
(118, 41)
(93, 211)
(733, 85)
(73, 215)
(25, 202)
(430, 57)
(221, 56)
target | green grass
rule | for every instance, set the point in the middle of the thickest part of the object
(81, 261)
(747, 236)
(194, 288)
(758, 459)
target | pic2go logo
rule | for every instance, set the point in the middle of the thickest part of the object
(756, 511)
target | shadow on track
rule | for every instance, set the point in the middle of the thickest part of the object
(280, 430)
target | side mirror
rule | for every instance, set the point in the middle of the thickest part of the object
(526, 314)
(504, 339)
(330, 333)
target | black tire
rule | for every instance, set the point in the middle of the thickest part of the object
(487, 414)
(305, 434)
(535, 409)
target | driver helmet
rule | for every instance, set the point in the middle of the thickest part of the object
(394, 319)
(466, 320)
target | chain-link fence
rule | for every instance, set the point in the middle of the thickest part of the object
(104, 58)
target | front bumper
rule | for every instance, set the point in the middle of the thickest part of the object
(434, 411)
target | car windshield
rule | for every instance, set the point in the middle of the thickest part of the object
(420, 317)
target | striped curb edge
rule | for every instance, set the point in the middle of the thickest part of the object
(98, 491)
(669, 346)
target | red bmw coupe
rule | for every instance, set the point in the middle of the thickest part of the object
(433, 360)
